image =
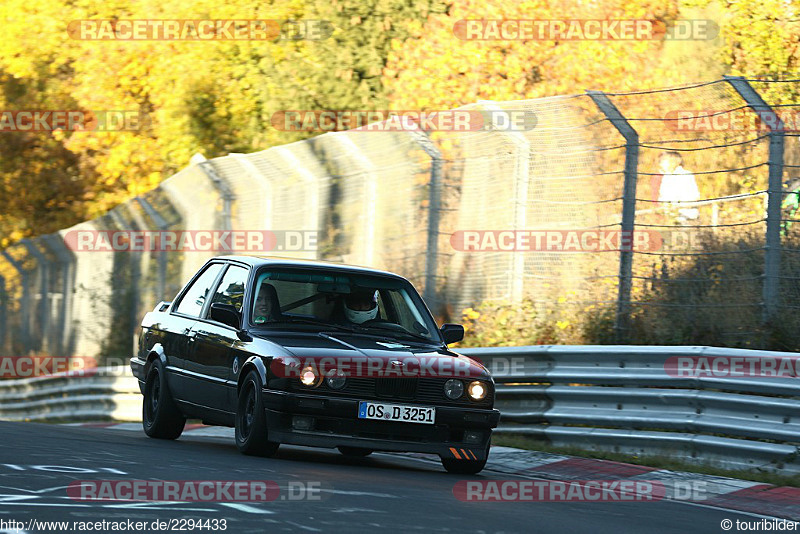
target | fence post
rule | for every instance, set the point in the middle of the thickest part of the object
(207, 166)
(622, 321)
(162, 253)
(522, 180)
(772, 245)
(64, 335)
(43, 305)
(266, 185)
(3, 315)
(132, 286)
(430, 294)
(24, 305)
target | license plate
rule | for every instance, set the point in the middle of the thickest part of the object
(396, 412)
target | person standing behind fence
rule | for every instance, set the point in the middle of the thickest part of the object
(678, 186)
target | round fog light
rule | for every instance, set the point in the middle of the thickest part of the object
(453, 389)
(308, 376)
(476, 390)
(336, 379)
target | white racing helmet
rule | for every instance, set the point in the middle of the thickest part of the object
(364, 307)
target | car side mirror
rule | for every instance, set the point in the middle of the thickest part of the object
(225, 314)
(452, 333)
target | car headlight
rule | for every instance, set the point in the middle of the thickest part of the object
(453, 389)
(309, 376)
(336, 379)
(477, 390)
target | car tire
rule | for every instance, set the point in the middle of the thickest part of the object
(251, 421)
(355, 452)
(161, 418)
(466, 467)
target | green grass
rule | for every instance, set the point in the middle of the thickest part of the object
(657, 461)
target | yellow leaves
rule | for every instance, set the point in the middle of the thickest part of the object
(471, 314)
(503, 323)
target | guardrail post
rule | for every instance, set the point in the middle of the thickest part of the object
(430, 293)
(522, 180)
(622, 322)
(772, 252)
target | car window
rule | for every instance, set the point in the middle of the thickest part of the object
(231, 288)
(404, 312)
(195, 297)
(327, 297)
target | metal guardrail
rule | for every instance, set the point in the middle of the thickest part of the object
(622, 399)
(106, 394)
(615, 398)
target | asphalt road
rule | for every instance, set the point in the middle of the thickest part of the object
(380, 493)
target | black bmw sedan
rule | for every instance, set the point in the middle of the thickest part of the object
(315, 354)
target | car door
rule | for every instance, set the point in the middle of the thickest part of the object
(179, 340)
(210, 362)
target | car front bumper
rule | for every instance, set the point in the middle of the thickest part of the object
(137, 368)
(336, 423)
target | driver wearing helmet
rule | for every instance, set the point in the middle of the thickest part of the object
(361, 306)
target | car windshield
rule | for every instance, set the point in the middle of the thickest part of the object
(364, 303)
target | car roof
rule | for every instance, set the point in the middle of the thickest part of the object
(260, 261)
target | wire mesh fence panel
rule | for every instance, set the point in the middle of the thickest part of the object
(527, 218)
(253, 189)
(782, 96)
(487, 185)
(200, 205)
(395, 189)
(91, 305)
(351, 231)
(579, 260)
(165, 264)
(701, 177)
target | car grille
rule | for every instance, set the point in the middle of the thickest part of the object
(396, 388)
(424, 390)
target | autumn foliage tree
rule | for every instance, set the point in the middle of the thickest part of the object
(218, 97)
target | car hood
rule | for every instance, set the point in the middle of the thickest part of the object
(364, 355)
